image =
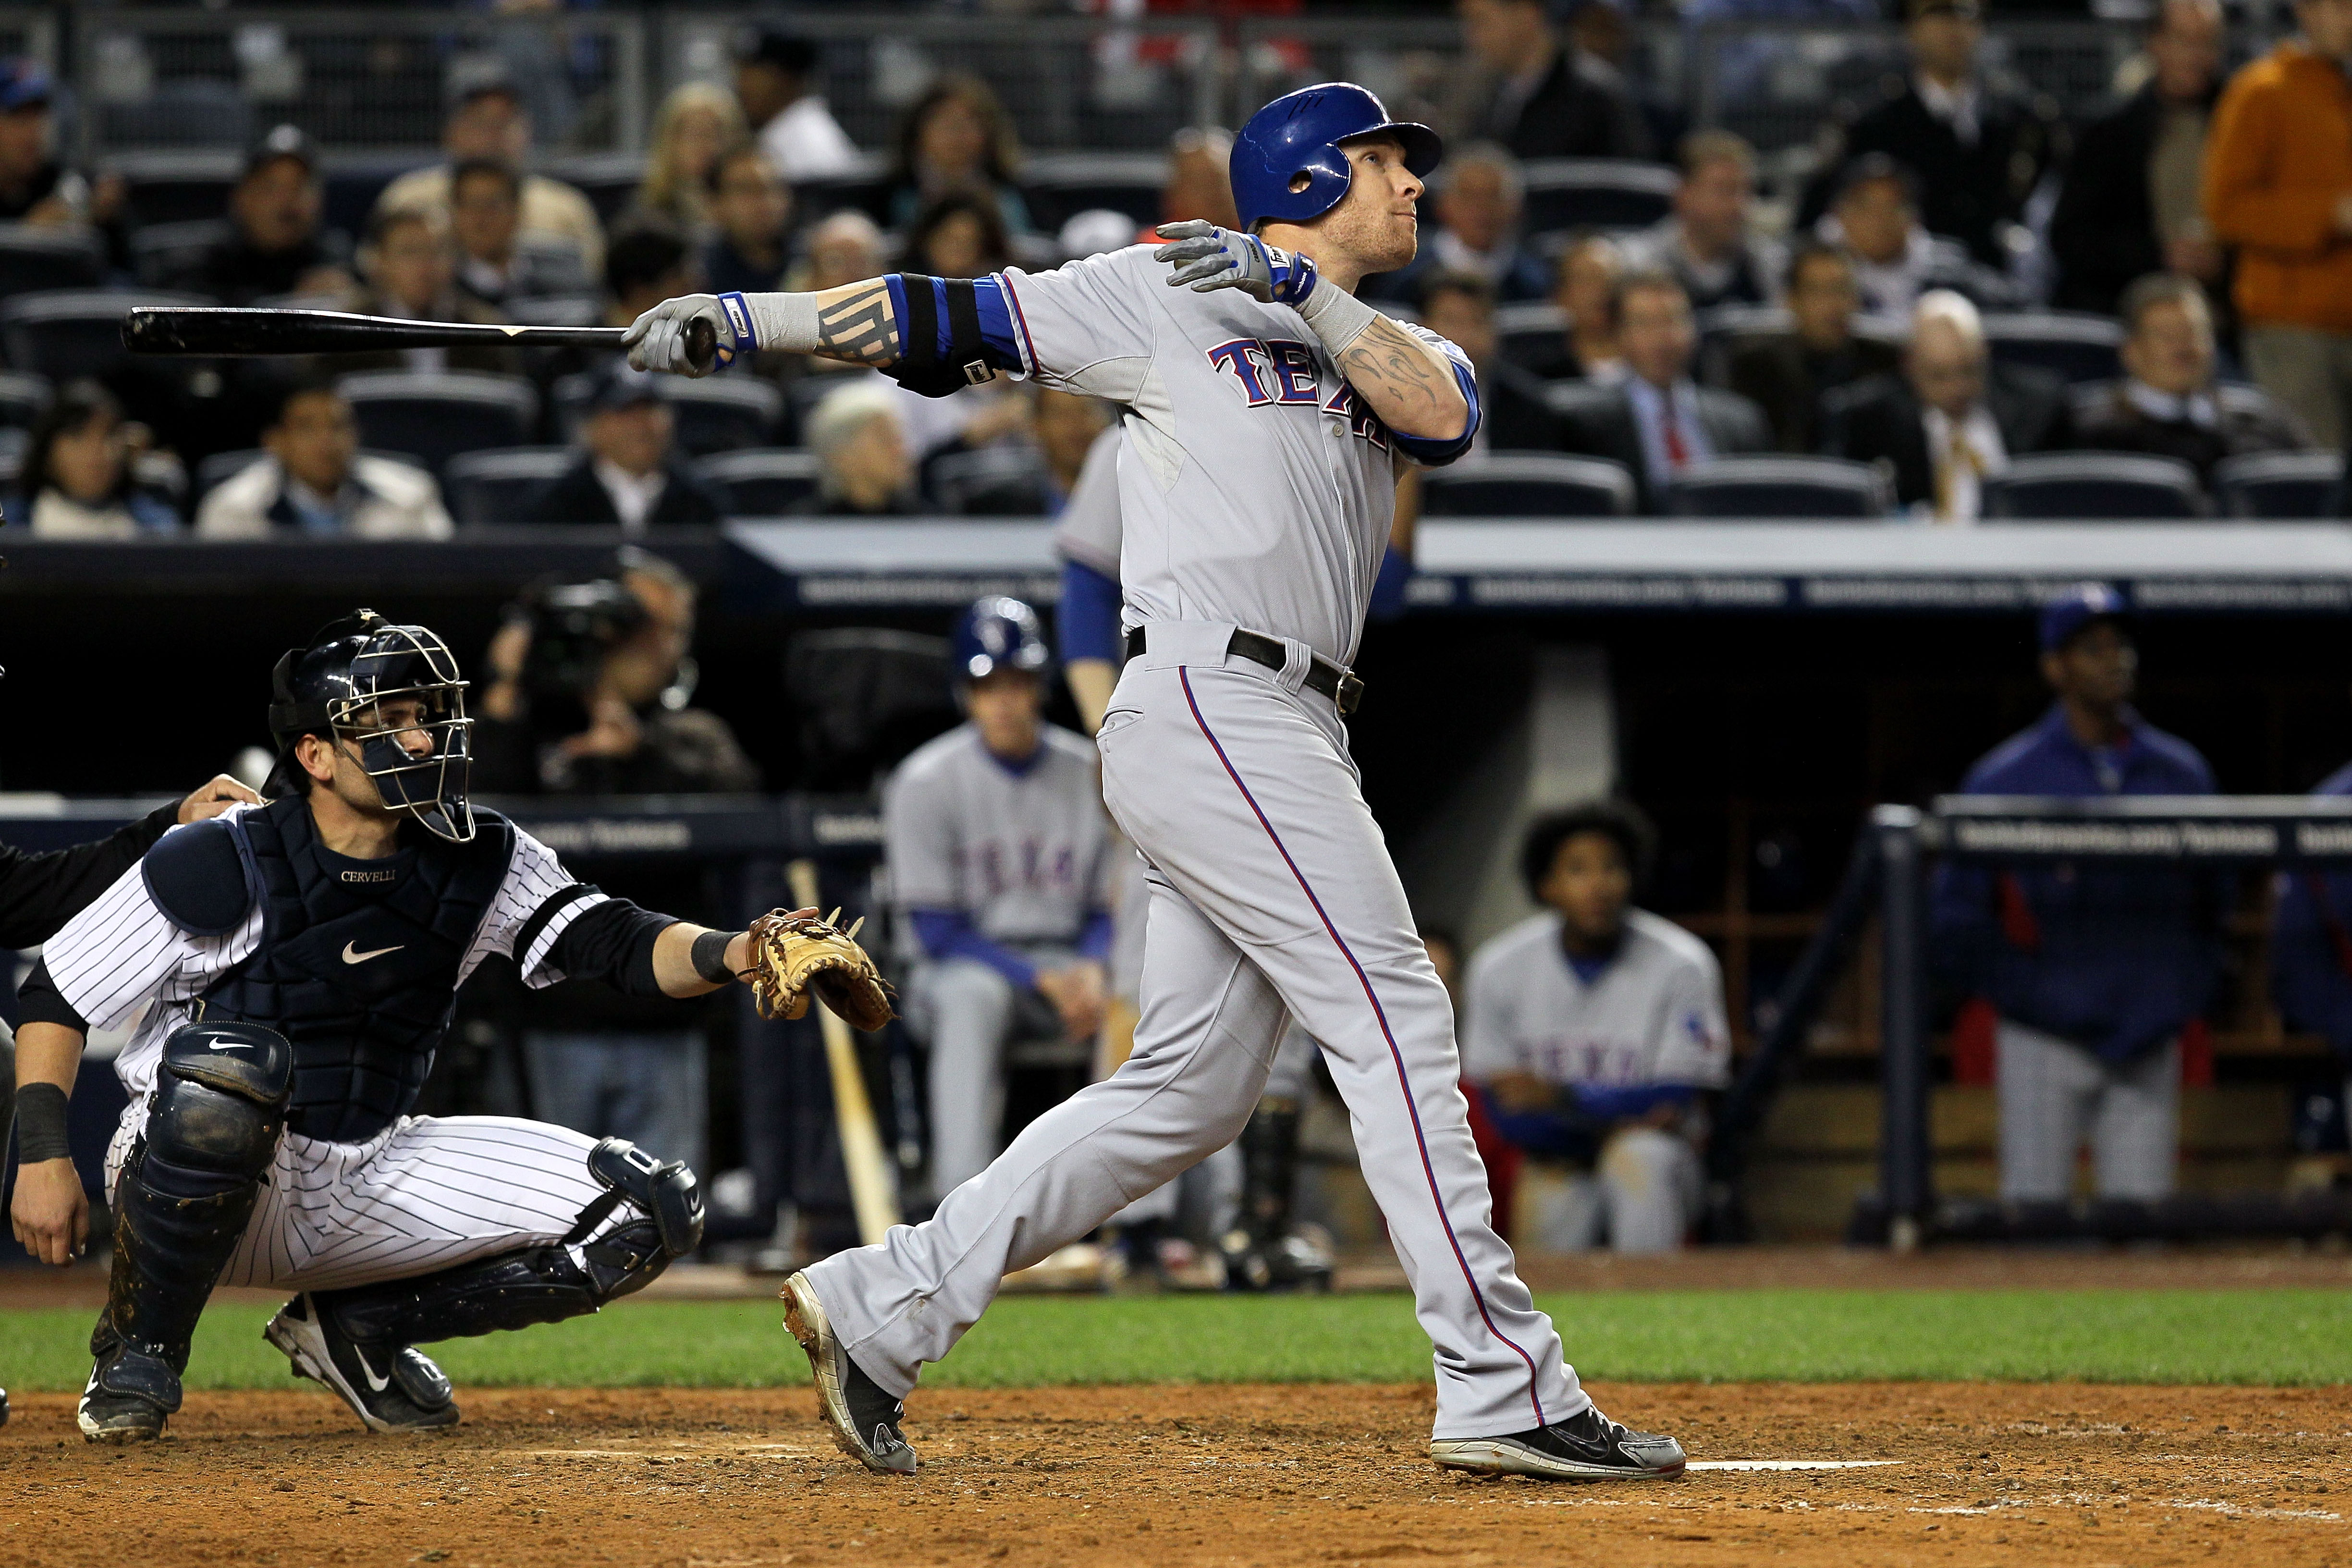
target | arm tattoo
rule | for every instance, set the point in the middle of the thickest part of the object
(858, 326)
(1405, 382)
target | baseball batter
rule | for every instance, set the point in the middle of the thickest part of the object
(1265, 412)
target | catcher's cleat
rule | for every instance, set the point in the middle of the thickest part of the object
(864, 1419)
(794, 954)
(392, 1388)
(1588, 1447)
(129, 1398)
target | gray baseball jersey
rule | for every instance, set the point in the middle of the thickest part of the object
(1088, 530)
(1258, 488)
(1654, 1015)
(1025, 853)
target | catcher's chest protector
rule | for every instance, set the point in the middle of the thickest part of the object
(358, 963)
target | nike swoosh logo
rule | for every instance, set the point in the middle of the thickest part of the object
(350, 956)
(375, 1384)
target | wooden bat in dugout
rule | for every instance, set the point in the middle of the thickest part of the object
(222, 332)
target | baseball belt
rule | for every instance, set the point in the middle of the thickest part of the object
(1343, 687)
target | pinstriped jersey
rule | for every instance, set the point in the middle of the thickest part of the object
(1652, 1015)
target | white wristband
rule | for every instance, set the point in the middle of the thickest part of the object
(784, 322)
(1336, 316)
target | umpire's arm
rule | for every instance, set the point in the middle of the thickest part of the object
(38, 893)
(51, 1214)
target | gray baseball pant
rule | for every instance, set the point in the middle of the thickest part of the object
(2053, 1094)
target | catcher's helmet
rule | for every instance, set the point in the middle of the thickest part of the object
(1300, 134)
(997, 633)
(334, 688)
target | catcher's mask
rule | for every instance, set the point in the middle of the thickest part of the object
(357, 675)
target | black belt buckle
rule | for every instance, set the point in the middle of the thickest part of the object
(1350, 692)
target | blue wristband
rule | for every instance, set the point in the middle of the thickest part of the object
(738, 312)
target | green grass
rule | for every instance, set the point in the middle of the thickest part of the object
(2279, 1337)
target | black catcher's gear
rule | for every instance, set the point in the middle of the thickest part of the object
(1264, 1251)
(344, 685)
(186, 1196)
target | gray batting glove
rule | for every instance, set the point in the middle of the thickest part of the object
(656, 340)
(1207, 258)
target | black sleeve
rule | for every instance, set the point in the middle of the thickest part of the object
(612, 942)
(38, 1001)
(38, 893)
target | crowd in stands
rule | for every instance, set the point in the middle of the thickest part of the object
(1893, 309)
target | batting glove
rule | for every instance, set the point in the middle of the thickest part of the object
(1213, 258)
(656, 340)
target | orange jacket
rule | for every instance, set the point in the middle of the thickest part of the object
(2277, 159)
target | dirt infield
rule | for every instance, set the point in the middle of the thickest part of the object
(1322, 1474)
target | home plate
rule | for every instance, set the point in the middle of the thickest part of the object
(1786, 1463)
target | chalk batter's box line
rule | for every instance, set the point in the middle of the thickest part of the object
(1787, 1464)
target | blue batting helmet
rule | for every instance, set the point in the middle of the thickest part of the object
(1300, 134)
(997, 633)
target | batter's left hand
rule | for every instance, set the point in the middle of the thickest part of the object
(209, 800)
(1212, 258)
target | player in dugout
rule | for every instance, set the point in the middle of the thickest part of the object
(1595, 1030)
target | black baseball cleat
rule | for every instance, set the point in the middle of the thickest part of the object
(129, 1397)
(392, 1388)
(864, 1419)
(1588, 1447)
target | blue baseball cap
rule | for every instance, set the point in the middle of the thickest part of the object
(2075, 608)
(23, 85)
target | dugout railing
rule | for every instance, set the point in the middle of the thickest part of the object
(1888, 880)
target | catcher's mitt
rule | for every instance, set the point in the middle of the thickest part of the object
(794, 952)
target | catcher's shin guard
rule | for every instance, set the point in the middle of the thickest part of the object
(543, 1284)
(185, 1195)
(1262, 1252)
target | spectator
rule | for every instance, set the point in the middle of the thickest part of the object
(2169, 402)
(35, 187)
(957, 140)
(1708, 242)
(1514, 412)
(275, 245)
(698, 124)
(1547, 98)
(858, 438)
(1199, 184)
(1653, 419)
(1593, 1029)
(2278, 186)
(316, 480)
(2311, 946)
(1477, 195)
(1951, 419)
(846, 246)
(957, 236)
(629, 476)
(1065, 426)
(753, 212)
(409, 273)
(78, 471)
(1787, 374)
(772, 73)
(1977, 149)
(485, 230)
(648, 263)
(2130, 204)
(611, 719)
(1875, 222)
(1586, 291)
(488, 121)
(2094, 970)
(999, 859)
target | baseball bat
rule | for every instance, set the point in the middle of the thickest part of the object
(873, 1189)
(223, 332)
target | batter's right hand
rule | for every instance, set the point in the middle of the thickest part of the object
(656, 340)
(51, 1214)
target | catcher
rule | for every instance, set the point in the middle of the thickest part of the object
(302, 957)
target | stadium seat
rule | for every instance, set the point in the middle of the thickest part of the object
(1060, 185)
(1826, 488)
(500, 485)
(168, 187)
(162, 251)
(32, 257)
(609, 180)
(763, 482)
(178, 112)
(218, 468)
(12, 445)
(2070, 345)
(720, 415)
(70, 332)
(992, 481)
(1529, 332)
(1529, 484)
(555, 311)
(2065, 487)
(430, 416)
(23, 397)
(2280, 486)
(1599, 192)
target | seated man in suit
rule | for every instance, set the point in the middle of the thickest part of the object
(1584, 286)
(629, 476)
(1787, 374)
(1655, 419)
(2168, 403)
(1875, 221)
(1476, 195)
(1710, 241)
(1951, 419)
(1515, 414)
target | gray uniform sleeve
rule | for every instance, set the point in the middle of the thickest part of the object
(1694, 1044)
(1087, 326)
(919, 844)
(1488, 1029)
(1089, 532)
